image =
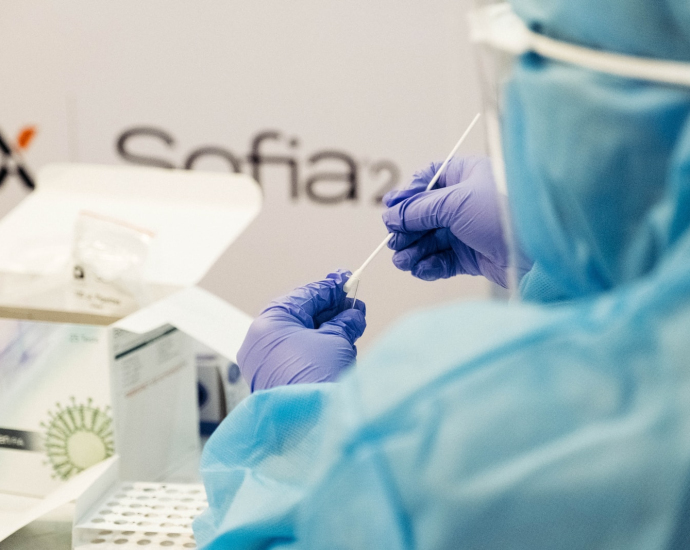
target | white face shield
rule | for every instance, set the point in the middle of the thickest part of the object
(501, 36)
(498, 27)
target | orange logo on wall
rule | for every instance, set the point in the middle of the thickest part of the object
(12, 159)
(25, 136)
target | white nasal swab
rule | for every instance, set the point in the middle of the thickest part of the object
(352, 283)
(452, 153)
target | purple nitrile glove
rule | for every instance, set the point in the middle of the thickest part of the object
(307, 336)
(455, 228)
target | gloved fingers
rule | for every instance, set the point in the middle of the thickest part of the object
(438, 255)
(361, 306)
(398, 195)
(399, 241)
(466, 259)
(428, 210)
(311, 303)
(328, 314)
(458, 170)
(348, 324)
(478, 223)
(437, 266)
(419, 183)
(431, 243)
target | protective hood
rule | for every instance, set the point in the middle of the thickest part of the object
(598, 166)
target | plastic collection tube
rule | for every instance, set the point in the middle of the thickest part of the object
(352, 283)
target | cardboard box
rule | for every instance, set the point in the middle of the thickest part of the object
(77, 384)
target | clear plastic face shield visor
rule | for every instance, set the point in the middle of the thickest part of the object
(500, 37)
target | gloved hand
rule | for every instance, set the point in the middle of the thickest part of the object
(455, 228)
(307, 336)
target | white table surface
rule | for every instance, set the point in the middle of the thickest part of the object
(51, 532)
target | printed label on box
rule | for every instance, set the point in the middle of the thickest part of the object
(55, 417)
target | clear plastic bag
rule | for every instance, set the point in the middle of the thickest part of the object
(109, 257)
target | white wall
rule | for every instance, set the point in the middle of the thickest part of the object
(378, 80)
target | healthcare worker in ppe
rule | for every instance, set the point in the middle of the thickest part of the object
(559, 422)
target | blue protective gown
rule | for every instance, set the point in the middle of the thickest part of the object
(490, 425)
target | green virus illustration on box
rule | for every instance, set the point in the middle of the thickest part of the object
(77, 436)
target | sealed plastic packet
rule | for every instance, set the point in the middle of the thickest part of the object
(108, 263)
